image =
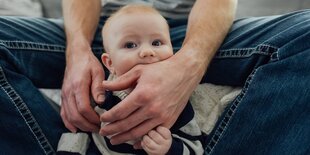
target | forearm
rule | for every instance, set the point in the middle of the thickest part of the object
(81, 19)
(208, 24)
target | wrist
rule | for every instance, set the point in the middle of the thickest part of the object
(78, 47)
(195, 59)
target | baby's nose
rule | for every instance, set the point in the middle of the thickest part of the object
(147, 52)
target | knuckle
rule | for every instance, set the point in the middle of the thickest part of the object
(153, 112)
(77, 83)
(118, 114)
(144, 97)
(62, 114)
(73, 120)
(64, 92)
(82, 109)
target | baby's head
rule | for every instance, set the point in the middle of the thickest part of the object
(135, 34)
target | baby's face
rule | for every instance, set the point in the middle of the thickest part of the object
(137, 39)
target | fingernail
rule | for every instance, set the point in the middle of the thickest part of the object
(100, 98)
(102, 133)
(74, 130)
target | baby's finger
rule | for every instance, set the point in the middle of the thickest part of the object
(164, 132)
(156, 137)
(148, 143)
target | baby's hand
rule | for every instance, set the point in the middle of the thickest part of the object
(157, 142)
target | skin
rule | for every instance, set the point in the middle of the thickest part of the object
(132, 39)
(157, 142)
(83, 73)
(129, 43)
(162, 88)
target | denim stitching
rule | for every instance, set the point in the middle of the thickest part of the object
(40, 46)
(32, 46)
(262, 49)
(26, 114)
(228, 115)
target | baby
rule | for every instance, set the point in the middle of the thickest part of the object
(139, 35)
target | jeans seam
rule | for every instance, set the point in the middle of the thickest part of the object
(32, 46)
(28, 45)
(220, 130)
(262, 49)
(27, 116)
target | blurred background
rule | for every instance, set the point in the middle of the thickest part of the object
(250, 8)
(246, 8)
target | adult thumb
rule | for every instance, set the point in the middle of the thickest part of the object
(98, 92)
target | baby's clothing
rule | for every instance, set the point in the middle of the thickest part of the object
(187, 137)
(186, 134)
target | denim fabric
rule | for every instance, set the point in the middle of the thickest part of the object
(268, 56)
(32, 55)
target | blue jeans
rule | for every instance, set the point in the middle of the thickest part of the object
(268, 56)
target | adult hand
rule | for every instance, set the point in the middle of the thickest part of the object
(161, 91)
(83, 77)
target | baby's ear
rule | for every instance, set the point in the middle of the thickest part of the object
(106, 60)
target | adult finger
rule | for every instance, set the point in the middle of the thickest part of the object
(96, 86)
(77, 119)
(82, 99)
(136, 132)
(124, 81)
(63, 115)
(124, 125)
(122, 109)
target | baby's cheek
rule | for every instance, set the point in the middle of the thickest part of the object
(124, 67)
(168, 51)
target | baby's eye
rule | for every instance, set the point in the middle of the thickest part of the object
(156, 43)
(130, 45)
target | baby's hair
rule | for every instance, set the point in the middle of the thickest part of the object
(132, 8)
